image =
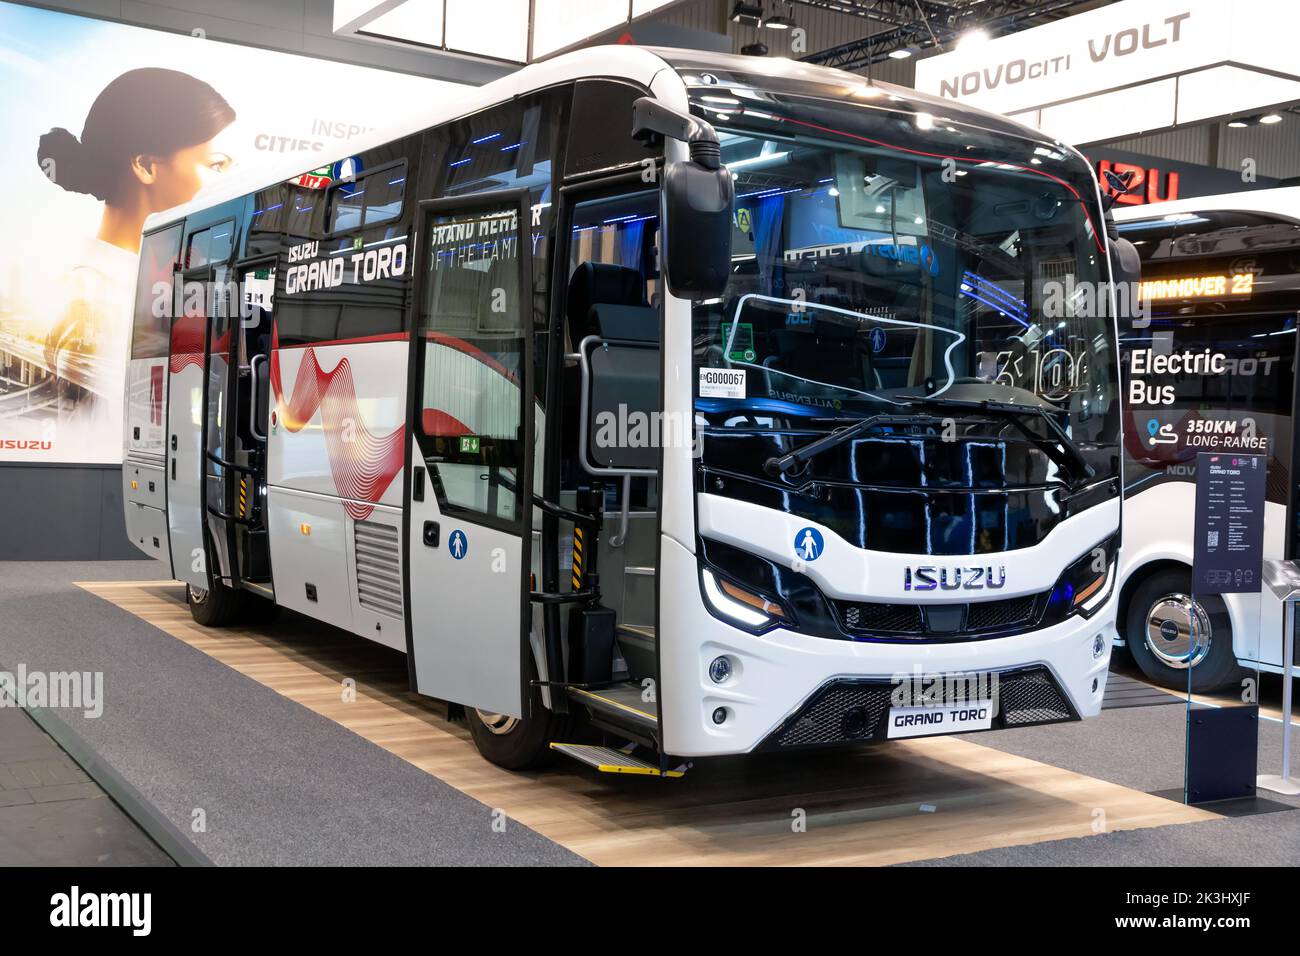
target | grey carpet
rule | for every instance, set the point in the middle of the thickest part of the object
(1271, 839)
(280, 784)
(1142, 748)
(277, 783)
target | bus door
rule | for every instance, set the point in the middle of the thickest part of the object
(219, 466)
(470, 461)
(237, 499)
(200, 300)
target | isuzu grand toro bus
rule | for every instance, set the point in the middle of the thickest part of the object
(711, 403)
(1209, 367)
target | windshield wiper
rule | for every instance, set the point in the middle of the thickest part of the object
(1059, 447)
(777, 466)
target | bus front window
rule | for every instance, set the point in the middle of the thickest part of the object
(870, 271)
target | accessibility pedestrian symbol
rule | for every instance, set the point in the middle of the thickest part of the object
(808, 544)
(458, 544)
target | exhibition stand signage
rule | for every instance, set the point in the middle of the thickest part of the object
(1228, 558)
(1127, 68)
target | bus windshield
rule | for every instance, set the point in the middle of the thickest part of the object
(879, 263)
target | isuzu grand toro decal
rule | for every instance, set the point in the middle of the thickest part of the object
(351, 266)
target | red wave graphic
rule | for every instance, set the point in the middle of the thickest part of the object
(362, 463)
(187, 342)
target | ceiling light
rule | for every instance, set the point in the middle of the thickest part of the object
(772, 157)
(778, 23)
(1238, 124)
(1270, 119)
(751, 15)
(973, 38)
(901, 54)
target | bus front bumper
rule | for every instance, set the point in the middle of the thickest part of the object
(787, 689)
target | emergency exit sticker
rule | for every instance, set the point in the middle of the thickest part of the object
(469, 444)
(722, 383)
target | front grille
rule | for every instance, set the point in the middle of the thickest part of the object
(840, 713)
(890, 618)
(991, 615)
(946, 622)
(855, 711)
(1031, 697)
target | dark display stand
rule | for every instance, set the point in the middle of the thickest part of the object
(1222, 753)
(62, 513)
(1228, 556)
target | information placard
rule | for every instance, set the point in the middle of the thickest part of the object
(1228, 553)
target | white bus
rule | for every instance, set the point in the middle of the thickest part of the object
(1222, 276)
(609, 437)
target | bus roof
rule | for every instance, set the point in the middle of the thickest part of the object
(637, 64)
(625, 62)
(1281, 201)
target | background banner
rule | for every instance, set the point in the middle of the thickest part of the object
(102, 125)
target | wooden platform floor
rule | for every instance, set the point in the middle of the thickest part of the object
(891, 803)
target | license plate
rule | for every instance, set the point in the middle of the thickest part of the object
(940, 719)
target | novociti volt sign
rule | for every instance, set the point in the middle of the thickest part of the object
(1162, 61)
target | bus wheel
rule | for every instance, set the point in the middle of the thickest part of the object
(215, 606)
(517, 743)
(1169, 631)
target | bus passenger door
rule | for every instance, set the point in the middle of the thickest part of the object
(186, 409)
(242, 496)
(469, 481)
(219, 469)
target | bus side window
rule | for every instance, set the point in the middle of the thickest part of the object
(472, 336)
(153, 303)
(612, 266)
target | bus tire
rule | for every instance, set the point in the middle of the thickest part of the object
(215, 607)
(1157, 634)
(517, 743)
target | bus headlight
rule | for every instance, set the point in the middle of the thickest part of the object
(740, 605)
(1086, 584)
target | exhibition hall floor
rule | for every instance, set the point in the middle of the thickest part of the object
(246, 745)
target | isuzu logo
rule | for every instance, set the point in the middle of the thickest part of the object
(929, 577)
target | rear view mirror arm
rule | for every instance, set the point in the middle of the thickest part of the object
(650, 117)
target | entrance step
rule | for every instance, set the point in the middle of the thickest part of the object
(609, 760)
(622, 706)
(637, 645)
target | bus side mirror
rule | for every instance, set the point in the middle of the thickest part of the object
(1125, 275)
(697, 198)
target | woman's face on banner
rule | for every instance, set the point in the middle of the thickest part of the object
(181, 175)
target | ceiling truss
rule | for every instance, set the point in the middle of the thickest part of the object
(916, 25)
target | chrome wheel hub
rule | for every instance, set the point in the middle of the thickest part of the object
(198, 595)
(497, 723)
(1178, 631)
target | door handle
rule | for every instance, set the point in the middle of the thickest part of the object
(254, 392)
(417, 484)
(431, 534)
